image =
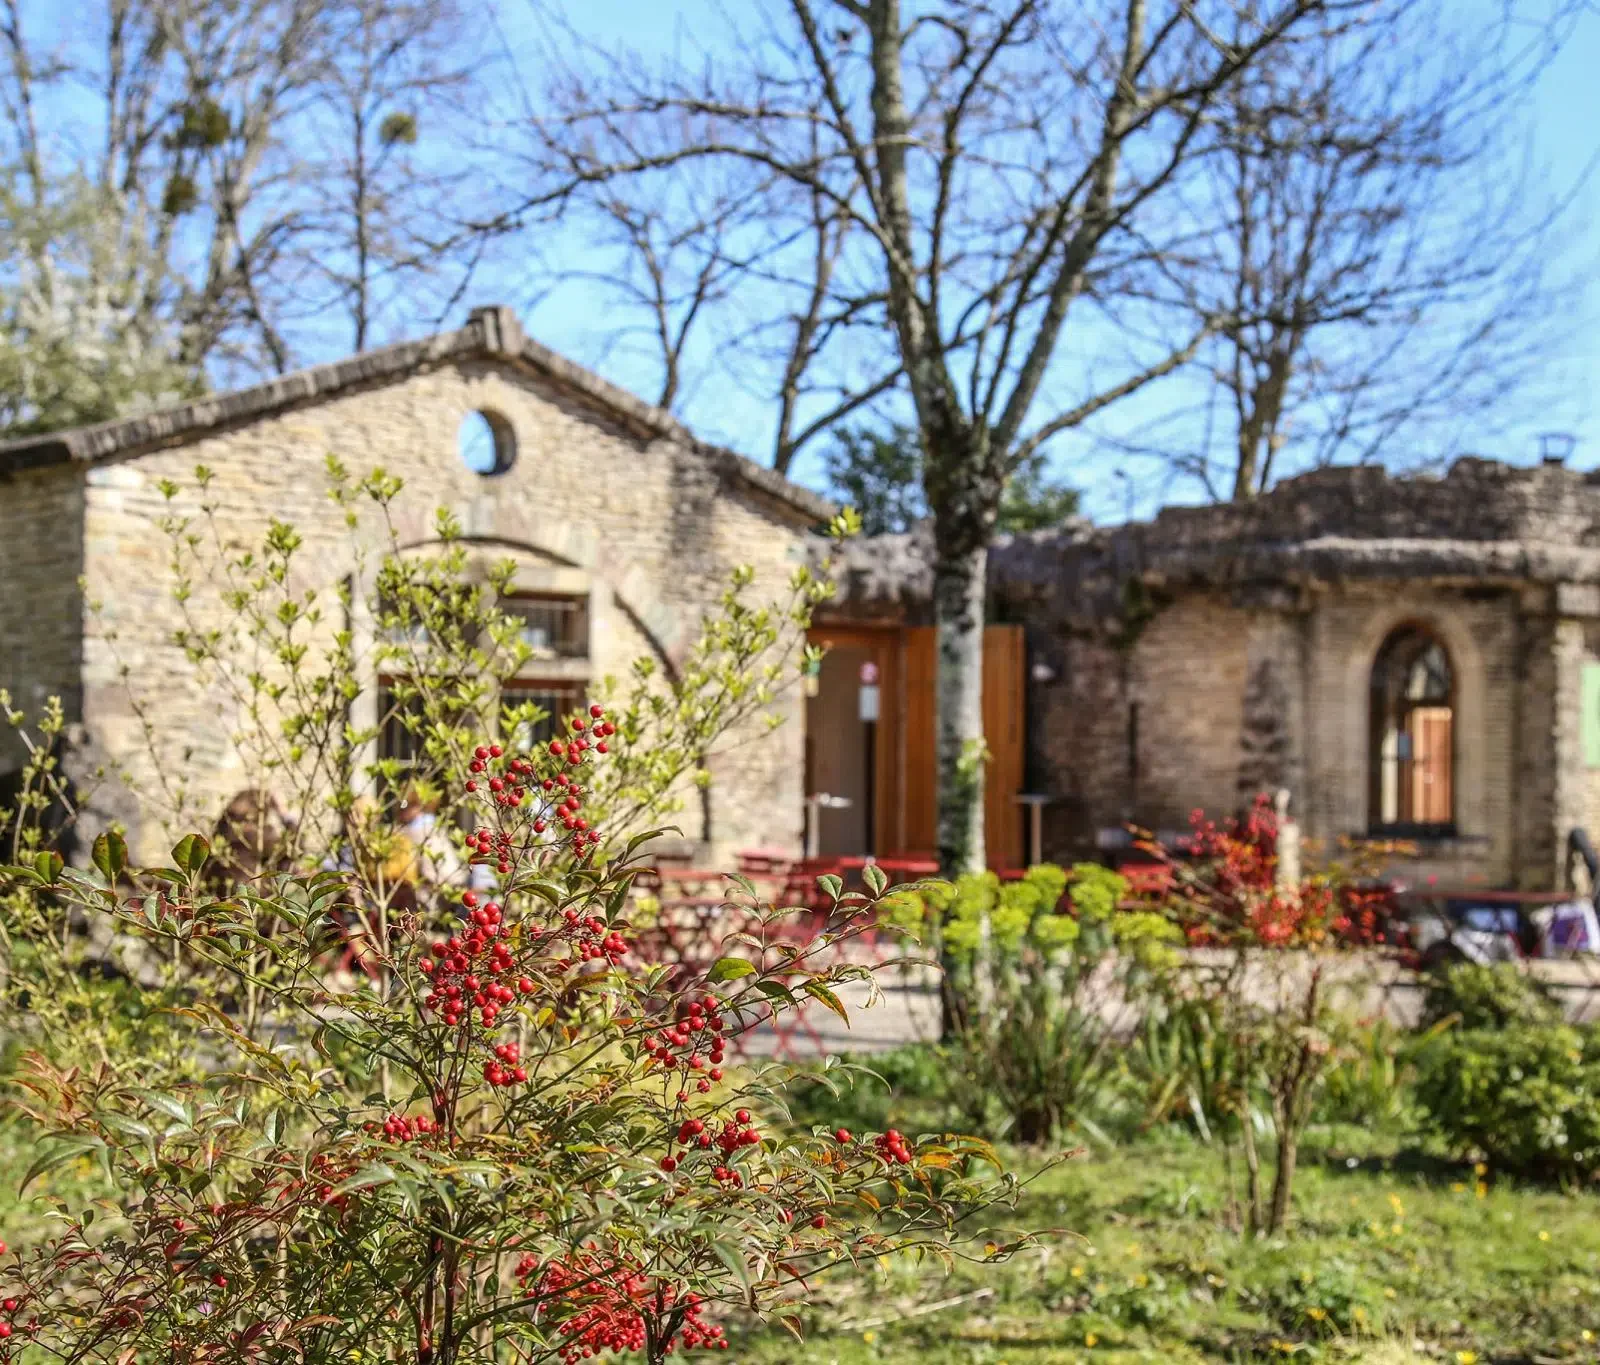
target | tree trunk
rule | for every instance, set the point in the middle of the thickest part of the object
(958, 597)
(1283, 1177)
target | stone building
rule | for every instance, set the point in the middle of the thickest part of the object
(1414, 658)
(623, 526)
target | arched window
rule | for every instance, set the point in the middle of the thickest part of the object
(1413, 735)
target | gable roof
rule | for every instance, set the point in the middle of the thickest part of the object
(493, 331)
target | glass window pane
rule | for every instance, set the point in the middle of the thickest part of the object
(556, 699)
(552, 627)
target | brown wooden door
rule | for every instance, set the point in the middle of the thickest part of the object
(1432, 746)
(1003, 720)
(835, 737)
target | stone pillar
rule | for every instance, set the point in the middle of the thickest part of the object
(1287, 875)
(1549, 769)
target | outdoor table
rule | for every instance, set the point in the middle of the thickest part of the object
(1035, 803)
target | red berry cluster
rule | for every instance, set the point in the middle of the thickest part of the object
(486, 845)
(509, 788)
(565, 794)
(605, 1301)
(892, 1148)
(331, 1173)
(11, 1306)
(681, 1046)
(593, 941)
(475, 971)
(507, 791)
(736, 1133)
(567, 798)
(400, 1128)
(504, 1070)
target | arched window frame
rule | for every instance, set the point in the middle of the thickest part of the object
(1405, 822)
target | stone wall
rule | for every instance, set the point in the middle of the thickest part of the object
(654, 527)
(41, 608)
(1216, 652)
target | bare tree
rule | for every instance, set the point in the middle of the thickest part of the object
(395, 91)
(189, 131)
(1382, 266)
(678, 250)
(992, 166)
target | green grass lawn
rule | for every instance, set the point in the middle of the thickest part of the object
(1392, 1260)
(1388, 1251)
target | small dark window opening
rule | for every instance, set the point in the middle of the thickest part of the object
(552, 626)
(400, 738)
(1412, 741)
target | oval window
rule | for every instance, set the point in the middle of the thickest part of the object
(486, 443)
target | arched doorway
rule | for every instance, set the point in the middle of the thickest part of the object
(1412, 746)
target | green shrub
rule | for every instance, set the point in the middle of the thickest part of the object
(1526, 1096)
(1372, 1083)
(1488, 997)
(1036, 989)
(912, 1087)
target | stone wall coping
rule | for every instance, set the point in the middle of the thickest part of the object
(493, 332)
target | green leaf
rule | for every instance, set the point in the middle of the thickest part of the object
(55, 1155)
(110, 855)
(121, 1123)
(832, 887)
(873, 876)
(727, 968)
(776, 990)
(48, 865)
(375, 1173)
(817, 991)
(730, 1256)
(169, 1106)
(191, 853)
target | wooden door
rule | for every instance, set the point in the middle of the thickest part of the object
(834, 708)
(1003, 730)
(1432, 748)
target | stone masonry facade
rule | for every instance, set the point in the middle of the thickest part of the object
(606, 498)
(1219, 652)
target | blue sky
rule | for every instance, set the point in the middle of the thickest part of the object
(1564, 140)
(572, 319)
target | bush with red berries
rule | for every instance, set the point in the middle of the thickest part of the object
(560, 1162)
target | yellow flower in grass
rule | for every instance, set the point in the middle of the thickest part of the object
(1586, 1334)
(1458, 1187)
(869, 1337)
(1466, 1358)
(1543, 1235)
(1077, 1272)
(1479, 1168)
(1090, 1339)
(1316, 1314)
